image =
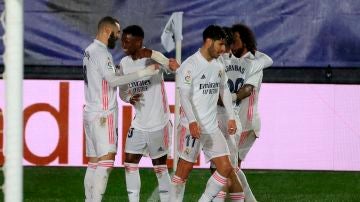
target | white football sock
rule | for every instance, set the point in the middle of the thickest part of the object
(249, 196)
(237, 197)
(220, 197)
(133, 182)
(214, 185)
(88, 181)
(101, 176)
(163, 177)
(177, 189)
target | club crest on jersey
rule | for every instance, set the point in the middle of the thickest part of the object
(109, 64)
(187, 77)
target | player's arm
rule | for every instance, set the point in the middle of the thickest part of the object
(244, 92)
(264, 59)
(254, 76)
(114, 80)
(227, 101)
(184, 86)
(123, 89)
(170, 64)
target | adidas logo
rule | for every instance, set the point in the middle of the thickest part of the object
(160, 149)
(203, 76)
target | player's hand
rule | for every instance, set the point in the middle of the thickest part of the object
(173, 64)
(195, 130)
(135, 98)
(143, 53)
(232, 127)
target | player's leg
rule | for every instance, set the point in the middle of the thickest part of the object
(216, 149)
(134, 149)
(158, 147)
(246, 141)
(106, 147)
(101, 175)
(188, 150)
(232, 145)
(89, 177)
(179, 179)
(92, 161)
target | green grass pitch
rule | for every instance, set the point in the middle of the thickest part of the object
(66, 184)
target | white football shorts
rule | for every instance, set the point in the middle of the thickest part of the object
(213, 145)
(155, 143)
(101, 132)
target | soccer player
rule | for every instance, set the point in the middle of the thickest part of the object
(100, 110)
(245, 72)
(228, 60)
(151, 126)
(201, 79)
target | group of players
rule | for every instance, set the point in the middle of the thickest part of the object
(219, 86)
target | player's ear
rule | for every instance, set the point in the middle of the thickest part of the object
(208, 42)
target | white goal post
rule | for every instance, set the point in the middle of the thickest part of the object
(13, 114)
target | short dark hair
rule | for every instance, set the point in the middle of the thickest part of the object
(229, 36)
(214, 32)
(107, 20)
(134, 30)
(246, 35)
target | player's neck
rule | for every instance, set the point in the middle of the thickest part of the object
(100, 37)
(205, 53)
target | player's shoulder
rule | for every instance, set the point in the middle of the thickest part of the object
(189, 64)
(125, 60)
(97, 51)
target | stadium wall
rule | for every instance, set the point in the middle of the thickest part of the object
(304, 126)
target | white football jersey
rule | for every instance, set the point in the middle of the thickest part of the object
(241, 71)
(97, 66)
(203, 78)
(152, 111)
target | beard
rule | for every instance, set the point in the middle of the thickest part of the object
(111, 41)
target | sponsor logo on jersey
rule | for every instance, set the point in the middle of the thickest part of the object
(139, 86)
(203, 76)
(209, 88)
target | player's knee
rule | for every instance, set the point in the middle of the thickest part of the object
(132, 158)
(183, 168)
(160, 161)
(108, 156)
(225, 169)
